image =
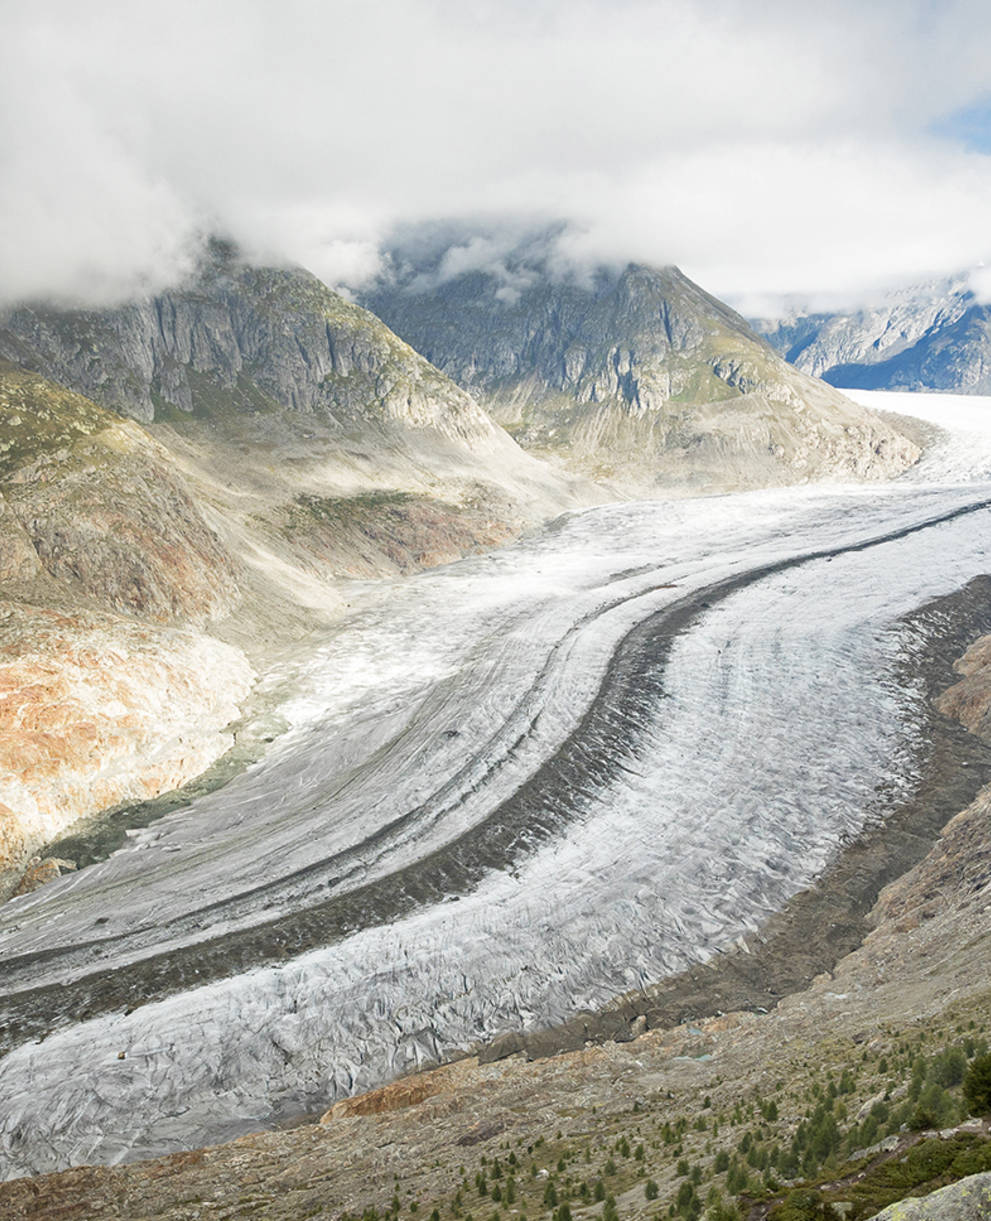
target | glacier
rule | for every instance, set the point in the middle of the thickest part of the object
(510, 789)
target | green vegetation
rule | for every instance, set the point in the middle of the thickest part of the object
(977, 1086)
(38, 418)
(846, 1131)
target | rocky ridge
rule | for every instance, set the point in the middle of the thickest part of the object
(242, 339)
(638, 377)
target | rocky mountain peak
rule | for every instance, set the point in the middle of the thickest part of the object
(635, 375)
(931, 336)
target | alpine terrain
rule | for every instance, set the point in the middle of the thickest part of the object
(187, 483)
(932, 336)
(633, 376)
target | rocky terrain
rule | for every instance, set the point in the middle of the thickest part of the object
(637, 377)
(934, 336)
(188, 482)
(109, 689)
(186, 485)
(845, 1095)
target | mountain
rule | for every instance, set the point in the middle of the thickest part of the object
(637, 376)
(187, 483)
(934, 336)
(294, 413)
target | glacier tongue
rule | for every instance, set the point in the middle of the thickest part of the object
(761, 742)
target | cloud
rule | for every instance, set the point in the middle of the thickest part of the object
(780, 147)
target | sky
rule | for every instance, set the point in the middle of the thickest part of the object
(821, 149)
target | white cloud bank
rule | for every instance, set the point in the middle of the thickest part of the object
(766, 147)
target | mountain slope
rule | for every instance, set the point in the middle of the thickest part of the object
(247, 444)
(286, 407)
(263, 358)
(109, 688)
(640, 377)
(934, 336)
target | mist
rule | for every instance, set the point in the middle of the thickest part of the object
(771, 149)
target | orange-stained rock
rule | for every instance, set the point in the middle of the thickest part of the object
(393, 1097)
(41, 871)
(969, 701)
(449, 1080)
(96, 709)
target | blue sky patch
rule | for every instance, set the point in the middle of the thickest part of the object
(970, 126)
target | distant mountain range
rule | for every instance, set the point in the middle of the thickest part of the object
(933, 336)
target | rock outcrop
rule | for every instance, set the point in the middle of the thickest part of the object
(636, 376)
(967, 1200)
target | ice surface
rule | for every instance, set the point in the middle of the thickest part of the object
(414, 730)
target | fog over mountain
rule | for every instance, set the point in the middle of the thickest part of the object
(779, 148)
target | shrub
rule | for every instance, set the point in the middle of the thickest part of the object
(948, 1067)
(651, 1190)
(803, 1204)
(934, 1110)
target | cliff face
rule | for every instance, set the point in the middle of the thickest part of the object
(640, 377)
(243, 340)
(932, 337)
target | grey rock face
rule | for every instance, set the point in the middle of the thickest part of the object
(967, 1200)
(933, 337)
(618, 338)
(244, 340)
(639, 376)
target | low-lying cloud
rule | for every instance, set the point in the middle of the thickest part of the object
(773, 148)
